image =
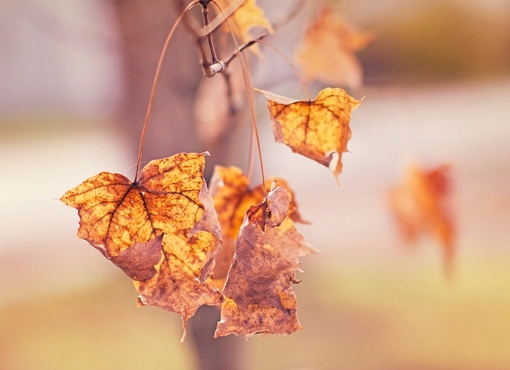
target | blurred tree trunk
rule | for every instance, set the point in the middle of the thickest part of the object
(143, 27)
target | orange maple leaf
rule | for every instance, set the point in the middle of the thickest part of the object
(327, 53)
(258, 293)
(421, 206)
(233, 196)
(317, 129)
(161, 230)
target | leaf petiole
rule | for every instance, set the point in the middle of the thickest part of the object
(155, 84)
(249, 96)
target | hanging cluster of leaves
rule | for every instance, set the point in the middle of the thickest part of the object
(421, 206)
(237, 246)
(163, 232)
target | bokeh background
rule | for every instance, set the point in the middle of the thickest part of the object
(74, 80)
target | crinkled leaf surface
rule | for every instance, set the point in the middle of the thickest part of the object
(232, 198)
(138, 261)
(258, 293)
(317, 129)
(422, 206)
(176, 286)
(327, 52)
(162, 230)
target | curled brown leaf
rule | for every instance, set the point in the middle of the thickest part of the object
(258, 293)
(232, 197)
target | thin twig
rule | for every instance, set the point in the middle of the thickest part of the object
(249, 96)
(242, 48)
(210, 42)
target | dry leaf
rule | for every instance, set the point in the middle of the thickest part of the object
(176, 286)
(161, 230)
(317, 129)
(232, 198)
(421, 206)
(327, 53)
(258, 293)
(138, 261)
(248, 15)
(277, 207)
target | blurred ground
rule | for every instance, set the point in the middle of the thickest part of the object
(385, 315)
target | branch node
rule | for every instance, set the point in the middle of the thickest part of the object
(214, 68)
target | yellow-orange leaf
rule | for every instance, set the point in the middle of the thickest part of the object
(421, 206)
(258, 293)
(317, 129)
(163, 222)
(232, 197)
(327, 53)
(248, 15)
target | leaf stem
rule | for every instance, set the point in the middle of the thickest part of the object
(249, 172)
(242, 48)
(249, 96)
(210, 42)
(155, 84)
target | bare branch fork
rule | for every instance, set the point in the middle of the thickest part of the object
(213, 65)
